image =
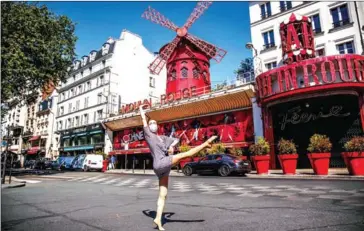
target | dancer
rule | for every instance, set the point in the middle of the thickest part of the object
(162, 148)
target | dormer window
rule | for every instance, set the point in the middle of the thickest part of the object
(184, 72)
(195, 73)
(92, 55)
(77, 64)
(105, 48)
(84, 60)
(173, 75)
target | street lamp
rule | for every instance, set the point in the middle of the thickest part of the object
(257, 60)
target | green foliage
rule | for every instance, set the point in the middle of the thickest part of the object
(260, 148)
(246, 65)
(286, 147)
(37, 47)
(218, 148)
(319, 143)
(355, 144)
(202, 153)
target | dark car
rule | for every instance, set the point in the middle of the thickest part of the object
(222, 164)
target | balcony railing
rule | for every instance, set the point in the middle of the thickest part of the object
(268, 45)
(340, 23)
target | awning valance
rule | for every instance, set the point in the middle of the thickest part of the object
(33, 150)
(225, 102)
(34, 138)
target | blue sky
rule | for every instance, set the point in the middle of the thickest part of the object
(225, 24)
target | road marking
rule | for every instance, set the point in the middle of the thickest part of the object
(101, 179)
(141, 183)
(312, 192)
(333, 197)
(126, 182)
(298, 198)
(281, 194)
(342, 191)
(283, 186)
(110, 181)
(90, 179)
(269, 190)
(248, 194)
(213, 192)
(260, 187)
(321, 187)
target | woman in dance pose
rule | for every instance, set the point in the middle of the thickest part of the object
(162, 148)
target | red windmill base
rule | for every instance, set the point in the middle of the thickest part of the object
(187, 57)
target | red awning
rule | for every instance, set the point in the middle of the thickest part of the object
(33, 150)
(34, 138)
(130, 151)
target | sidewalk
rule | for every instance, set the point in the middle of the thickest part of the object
(334, 174)
(15, 183)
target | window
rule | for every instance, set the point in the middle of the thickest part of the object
(316, 24)
(63, 96)
(69, 123)
(61, 110)
(100, 81)
(77, 105)
(103, 63)
(86, 102)
(69, 107)
(271, 65)
(99, 98)
(88, 85)
(195, 73)
(74, 78)
(265, 10)
(346, 48)
(285, 5)
(173, 75)
(340, 16)
(77, 121)
(80, 89)
(105, 49)
(81, 74)
(92, 56)
(320, 52)
(151, 81)
(184, 72)
(268, 38)
(60, 125)
(90, 69)
(99, 114)
(85, 118)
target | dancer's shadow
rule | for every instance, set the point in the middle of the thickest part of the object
(166, 216)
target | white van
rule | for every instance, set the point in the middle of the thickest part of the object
(88, 162)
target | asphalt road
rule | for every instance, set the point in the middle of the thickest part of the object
(96, 201)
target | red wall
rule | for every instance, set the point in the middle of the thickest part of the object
(230, 127)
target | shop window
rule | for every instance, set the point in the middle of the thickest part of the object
(265, 10)
(82, 140)
(346, 48)
(184, 72)
(97, 139)
(340, 16)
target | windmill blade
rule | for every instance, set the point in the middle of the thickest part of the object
(197, 12)
(211, 50)
(159, 62)
(156, 17)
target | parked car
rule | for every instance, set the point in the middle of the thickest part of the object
(29, 164)
(43, 163)
(88, 162)
(223, 164)
(67, 163)
(56, 164)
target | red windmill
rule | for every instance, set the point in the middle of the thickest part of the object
(187, 56)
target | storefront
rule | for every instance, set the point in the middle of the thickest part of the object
(82, 140)
(311, 95)
(227, 114)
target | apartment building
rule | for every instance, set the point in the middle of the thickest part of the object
(97, 87)
(338, 28)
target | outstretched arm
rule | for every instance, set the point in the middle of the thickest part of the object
(142, 114)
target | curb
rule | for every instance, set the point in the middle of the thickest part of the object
(13, 186)
(145, 174)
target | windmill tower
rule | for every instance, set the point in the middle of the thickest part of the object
(187, 56)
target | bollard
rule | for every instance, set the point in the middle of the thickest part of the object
(133, 165)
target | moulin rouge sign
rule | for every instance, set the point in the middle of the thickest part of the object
(317, 71)
(165, 99)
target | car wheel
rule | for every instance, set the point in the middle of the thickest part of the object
(85, 168)
(187, 170)
(224, 170)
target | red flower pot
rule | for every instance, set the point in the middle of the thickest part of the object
(344, 156)
(320, 162)
(355, 163)
(261, 163)
(288, 163)
(243, 157)
(196, 159)
(184, 161)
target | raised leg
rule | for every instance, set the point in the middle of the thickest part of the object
(163, 189)
(176, 158)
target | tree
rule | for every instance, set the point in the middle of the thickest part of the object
(37, 47)
(246, 66)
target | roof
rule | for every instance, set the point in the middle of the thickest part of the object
(199, 107)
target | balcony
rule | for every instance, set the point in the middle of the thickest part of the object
(339, 25)
(317, 31)
(268, 47)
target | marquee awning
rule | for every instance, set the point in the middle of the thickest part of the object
(225, 102)
(34, 138)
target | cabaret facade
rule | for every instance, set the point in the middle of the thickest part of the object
(308, 94)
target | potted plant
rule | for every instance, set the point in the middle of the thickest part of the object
(184, 148)
(319, 153)
(354, 155)
(218, 148)
(260, 155)
(287, 155)
(238, 152)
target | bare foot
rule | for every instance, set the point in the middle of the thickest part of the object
(158, 224)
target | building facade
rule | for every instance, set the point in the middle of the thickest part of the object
(313, 73)
(98, 86)
(338, 28)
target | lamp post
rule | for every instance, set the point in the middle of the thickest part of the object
(257, 60)
(51, 144)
